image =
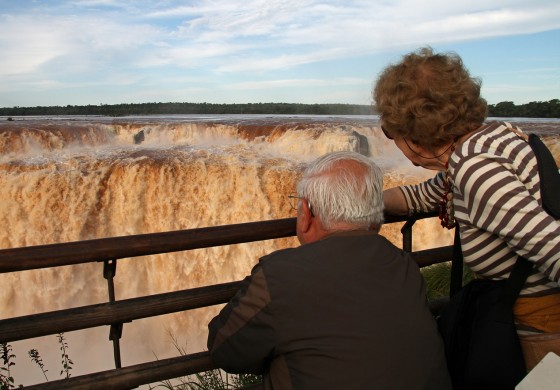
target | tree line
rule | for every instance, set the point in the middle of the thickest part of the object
(192, 108)
(549, 109)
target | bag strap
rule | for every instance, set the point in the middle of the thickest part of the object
(549, 174)
(513, 286)
(520, 272)
(456, 281)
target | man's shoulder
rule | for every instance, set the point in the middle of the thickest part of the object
(282, 254)
(350, 241)
(360, 239)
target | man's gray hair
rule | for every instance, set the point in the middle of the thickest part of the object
(344, 187)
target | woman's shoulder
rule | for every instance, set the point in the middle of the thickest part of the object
(497, 146)
(494, 139)
(497, 129)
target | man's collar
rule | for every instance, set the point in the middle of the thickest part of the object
(344, 233)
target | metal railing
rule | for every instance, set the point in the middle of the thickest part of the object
(115, 313)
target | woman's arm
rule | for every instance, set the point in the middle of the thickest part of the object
(423, 197)
(394, 201)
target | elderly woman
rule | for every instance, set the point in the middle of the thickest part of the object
(487, 182)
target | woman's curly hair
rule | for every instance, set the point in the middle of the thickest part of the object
(429, 98)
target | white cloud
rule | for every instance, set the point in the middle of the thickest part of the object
(65, 42)
(283, 83)
(26, 44)
(279, 32)
(287, 34)
(32, 41)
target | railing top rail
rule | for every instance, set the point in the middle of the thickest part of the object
(79, 252)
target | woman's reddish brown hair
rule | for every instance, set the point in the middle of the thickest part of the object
(429, 98)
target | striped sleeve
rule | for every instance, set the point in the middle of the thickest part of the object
(424, 197)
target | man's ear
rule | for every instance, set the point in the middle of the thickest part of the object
(306, 217)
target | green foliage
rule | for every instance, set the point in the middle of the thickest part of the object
(208, 380)
(192, 108)
(7, 358)
(243, 380)
(437, 278)
(211, 380)
(6, 379)
(550, 109)
(66, 361)
(36, 358)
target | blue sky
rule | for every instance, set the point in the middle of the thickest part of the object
(248, 51)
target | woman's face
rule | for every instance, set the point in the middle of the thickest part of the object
(418, 155)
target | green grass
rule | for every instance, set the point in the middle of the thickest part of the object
(437, 278)
(7, 361)
(208, 380)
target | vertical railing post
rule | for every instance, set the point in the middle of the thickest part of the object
(115, 333)
(406, 232)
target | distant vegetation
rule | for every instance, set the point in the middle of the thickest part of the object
(193, 108)
(550, 109)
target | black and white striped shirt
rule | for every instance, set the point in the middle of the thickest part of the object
(497, 201)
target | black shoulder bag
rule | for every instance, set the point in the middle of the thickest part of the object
(477, 326)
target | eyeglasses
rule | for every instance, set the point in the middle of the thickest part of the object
(294, 199)
(451, 146)
(386, 133)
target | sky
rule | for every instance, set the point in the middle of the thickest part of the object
(79, 52)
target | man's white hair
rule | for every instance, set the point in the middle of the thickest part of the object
(344, 187)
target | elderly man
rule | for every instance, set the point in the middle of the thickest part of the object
(346, 309)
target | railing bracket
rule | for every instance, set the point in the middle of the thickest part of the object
(116, 332)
